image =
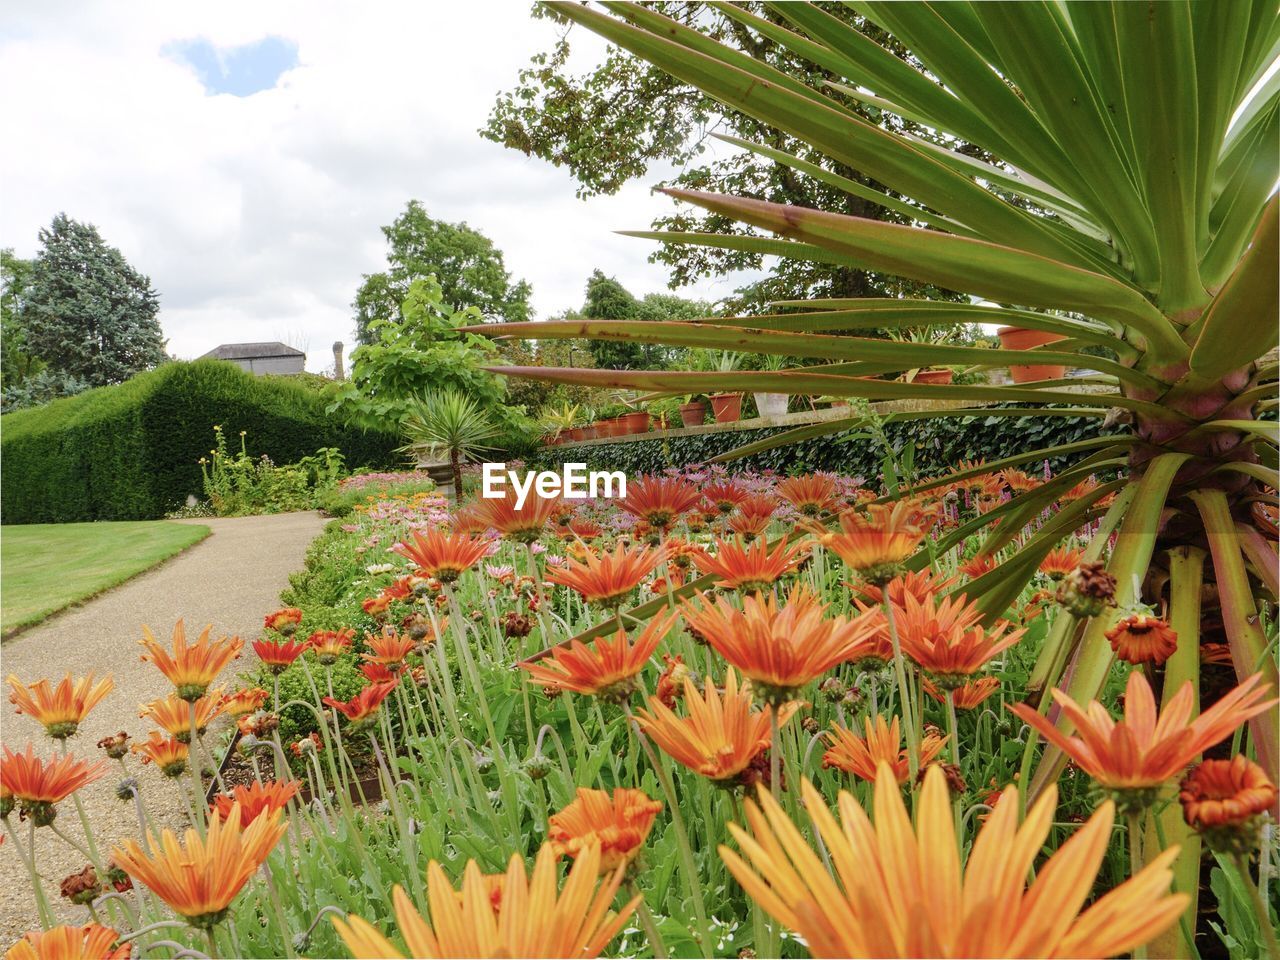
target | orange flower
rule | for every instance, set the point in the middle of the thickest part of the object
(378, 673)
(389, 648)
(919, 583)
(671, 682)
(1142, 752)
(968, 697)
(191, 668)
(200, 881)
(725, 494)
(1058, 563)
(946, 639)
(809, 493)
(39, 785)
(608, 669)
(877, 545)
(364, 704)
(468, 519)
(531, 919)
(1018, 481)
(523, 525)
(617, 825)
(977, 565)
(167, 753)
(751, 568)
(659, 500)
(255, 799)
(328, 645)
(244, 702)
(376, 605)
(880, 749)
(898, 890)
(749, 526)
(780, 649)
(1224, 799)
(283, 621)
(89, 942)
(584, 529)
(442, 555)
(174, 715)
(721, 734)
(60, 710)
(607, 579)
(1143, 639)
(279, 654)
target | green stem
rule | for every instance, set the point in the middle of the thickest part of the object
(1259, 907)
(646, 921)
(904, 694)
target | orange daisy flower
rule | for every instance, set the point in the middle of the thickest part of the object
(200, 879)
(881, 749)
(607, 579)
(329, 645)
(531, 919)
(38, 784)
(751, 568)
(378, 673)
(174, 715)
(442, 555)
(947, 640)
(876, 546)
(977, 565)
(616, 825)
(1060, 562)
(900, 890)
(582, 529)
(388, 648)
(810, 493)
(725, 494)
(279, 654)
(469, 520)
(255, 800)
(721, 735)
(60, 710)
(1019, 481)
(191, 668)
(364, 704)
(1141, 753)
(283, 621)
(523, 525)
(244, 702)
(609, 668)
(1224, 799)
(780, 649)
(921, 584)
(89, 942)
(671, 683)
(375, 606)
(749, 525)
(970, 696)
(659, 500)
(1143, 639)
(167, 753)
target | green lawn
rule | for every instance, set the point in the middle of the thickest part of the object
(47, 566)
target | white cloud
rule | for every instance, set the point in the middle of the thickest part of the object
(256, 216)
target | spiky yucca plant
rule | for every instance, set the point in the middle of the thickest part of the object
(1127, 204)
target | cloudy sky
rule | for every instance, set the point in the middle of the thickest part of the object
(244, 155)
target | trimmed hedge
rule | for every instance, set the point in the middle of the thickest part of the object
(132, 451)
(940, 445)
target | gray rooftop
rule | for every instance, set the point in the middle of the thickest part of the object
(252, 351)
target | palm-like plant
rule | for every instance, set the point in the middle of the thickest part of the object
(1125, 200)
(451, 422)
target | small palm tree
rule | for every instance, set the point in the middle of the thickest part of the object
(449, 421)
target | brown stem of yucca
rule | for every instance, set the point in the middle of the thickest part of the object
(1259, 905)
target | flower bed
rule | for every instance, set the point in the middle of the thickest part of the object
(593, 725)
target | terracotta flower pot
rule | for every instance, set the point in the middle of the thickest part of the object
(613, 427)
(726, 406)
(945, 375)
(637, 422)
(1019, 338)
(692, 414)
(588, 432)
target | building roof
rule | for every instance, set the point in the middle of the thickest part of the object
(252, 351)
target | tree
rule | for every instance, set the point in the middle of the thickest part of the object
(607, 299)
(464, 262)
(88, 314)
(17, 363)
(450, 422)
(610, 125)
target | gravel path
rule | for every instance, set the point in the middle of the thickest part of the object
(231, 579)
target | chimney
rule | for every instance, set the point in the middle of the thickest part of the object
(337, 360)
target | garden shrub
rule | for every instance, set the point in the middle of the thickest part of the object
(132, 451)
(939, 445)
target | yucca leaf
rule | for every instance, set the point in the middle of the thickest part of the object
(1237, 211)
(849, 139)
(1003, 535)
(1239, 325)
